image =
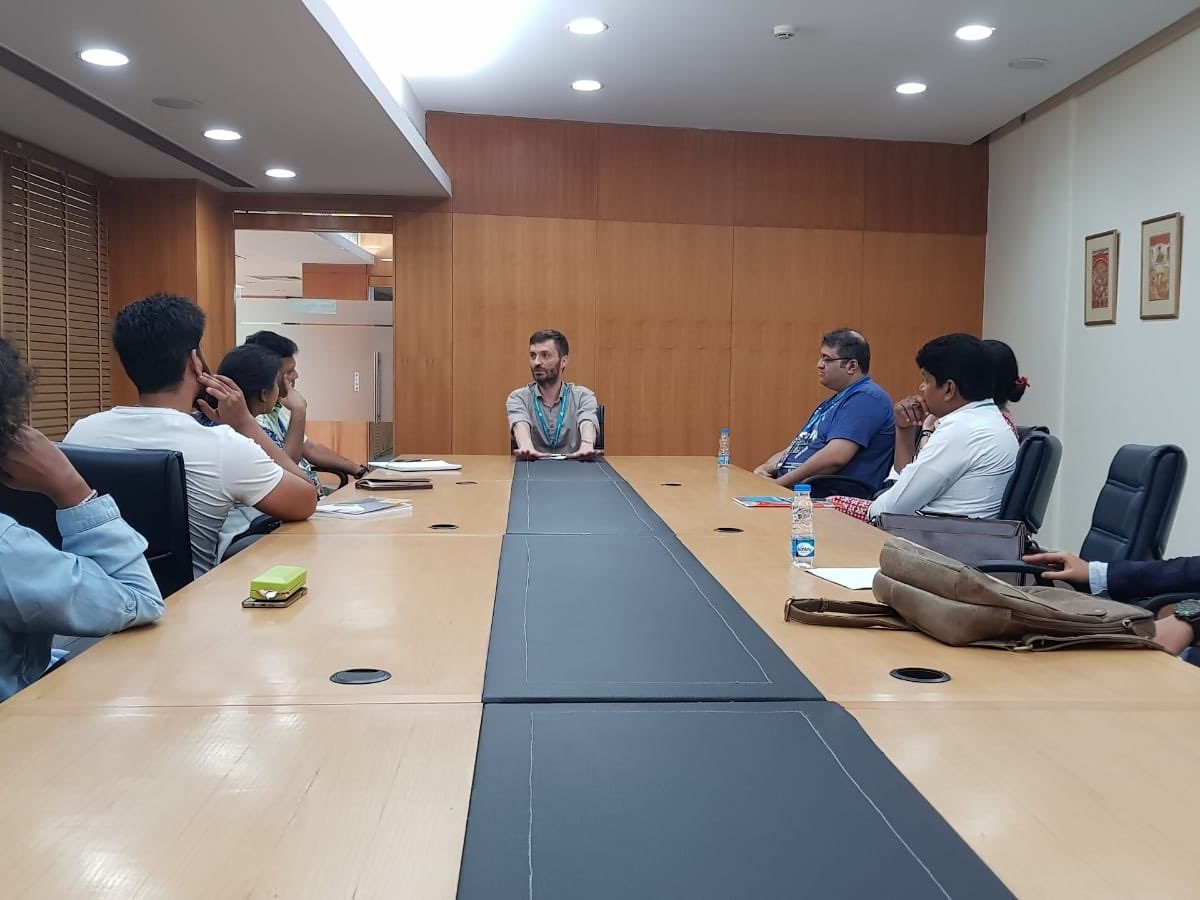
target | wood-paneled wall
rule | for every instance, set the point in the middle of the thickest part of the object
(172, 237)
(693, 272)
(334, 281)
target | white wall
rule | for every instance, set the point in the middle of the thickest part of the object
(1126, 151)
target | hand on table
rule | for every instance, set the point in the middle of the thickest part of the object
(585, 453)
(763, 472)
(528, 454)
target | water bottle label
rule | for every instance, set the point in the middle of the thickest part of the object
(723, 460)
(803, 548)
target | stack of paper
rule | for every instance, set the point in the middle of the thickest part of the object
(417, 465)
(370, 506)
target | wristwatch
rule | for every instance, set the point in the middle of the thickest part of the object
(1189, 611)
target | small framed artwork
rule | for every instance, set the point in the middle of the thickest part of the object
(1162, 249)
(1100, 278)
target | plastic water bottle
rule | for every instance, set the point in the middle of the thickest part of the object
(723, 449)
(804, 544)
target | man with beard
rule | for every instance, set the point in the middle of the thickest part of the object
(549, 416)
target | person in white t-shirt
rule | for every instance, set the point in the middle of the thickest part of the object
(964, 468)
(158, 342)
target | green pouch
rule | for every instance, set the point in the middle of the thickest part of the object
(278, 583)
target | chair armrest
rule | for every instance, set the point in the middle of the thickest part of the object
(1156, 604)
(260, 524)
(343, 478)
(829, 485)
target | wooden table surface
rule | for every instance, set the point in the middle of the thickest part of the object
(314, 802)
(1061, 803)
(854, 665)
(418, 606)
(210, 756)
(479, 508)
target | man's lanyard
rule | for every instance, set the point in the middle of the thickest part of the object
(541, 416)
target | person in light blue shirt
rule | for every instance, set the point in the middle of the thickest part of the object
(852, 433)
(97, 584)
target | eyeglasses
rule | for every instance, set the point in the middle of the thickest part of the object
(824, 360)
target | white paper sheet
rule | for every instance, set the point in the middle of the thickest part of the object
(424, 465)
(855, 579)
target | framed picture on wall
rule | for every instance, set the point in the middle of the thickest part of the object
(1100, 278)
(1162, 249)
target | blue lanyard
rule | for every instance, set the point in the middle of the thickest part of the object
(541, 416)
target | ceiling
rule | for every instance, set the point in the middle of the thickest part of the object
(266, 68)
(716, 63)
(269, 263)
(336, 89)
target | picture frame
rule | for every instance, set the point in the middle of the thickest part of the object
(1162, 253)
(1100, 278)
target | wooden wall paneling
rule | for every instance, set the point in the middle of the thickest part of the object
(215, 273)
(350, 439)
(916, 287)
(152, 248)
(423, 333)
(513, 276)
(935, 188)
(789, 181)
(332, 281)
(664, 294)
(665, 175)
(790, 286)
(517, 167)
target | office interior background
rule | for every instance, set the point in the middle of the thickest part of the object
(693, 226)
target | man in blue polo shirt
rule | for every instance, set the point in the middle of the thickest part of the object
(853, 433)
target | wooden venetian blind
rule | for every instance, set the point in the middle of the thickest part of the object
(54, 285)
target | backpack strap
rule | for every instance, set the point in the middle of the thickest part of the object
(843, 614)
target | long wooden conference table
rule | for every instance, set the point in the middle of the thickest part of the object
(211, 756)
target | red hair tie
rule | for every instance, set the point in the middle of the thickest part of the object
(1023, 381)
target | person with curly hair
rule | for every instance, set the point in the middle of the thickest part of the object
(97, 584)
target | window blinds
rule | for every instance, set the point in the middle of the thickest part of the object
(54, 285)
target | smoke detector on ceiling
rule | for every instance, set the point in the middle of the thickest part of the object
(785, 32)
(177, 102)
(1028, 62)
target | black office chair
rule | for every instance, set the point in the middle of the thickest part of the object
(512, 441)
(1029, 487)
(149, 489)
(260, 526)
(1024, 431)
(1134, 511)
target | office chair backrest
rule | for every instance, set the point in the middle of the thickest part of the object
(149, 489)
(1024, 431)
(1136, 507)
(1028, 491)
(512, 441)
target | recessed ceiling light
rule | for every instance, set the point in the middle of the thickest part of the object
(910, 87)
(222, 134)
(974, 32)
(586, 26)
(99, 56)
(586, 85)
(281, 173)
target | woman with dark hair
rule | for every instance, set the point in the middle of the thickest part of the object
(255, 370)
(97, 584)
(1010, 384)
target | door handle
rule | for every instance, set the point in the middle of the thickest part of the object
(378, 386)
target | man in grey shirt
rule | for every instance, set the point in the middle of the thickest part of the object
(551, 417)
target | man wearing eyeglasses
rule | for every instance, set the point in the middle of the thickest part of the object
(853, 433)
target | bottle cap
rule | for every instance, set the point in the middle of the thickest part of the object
(803, 489)
(724, 431)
